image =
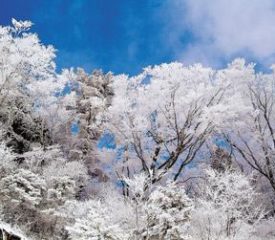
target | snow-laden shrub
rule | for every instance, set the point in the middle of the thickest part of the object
(22, 187)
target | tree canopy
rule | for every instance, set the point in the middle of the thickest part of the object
(193, 153)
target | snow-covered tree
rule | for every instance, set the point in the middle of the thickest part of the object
(97, 224)
(168, 213)
(254, 140)
(26, 66)
(94, 98)
(160, 213)
(6, 159)
(226, 207)
(162, 117)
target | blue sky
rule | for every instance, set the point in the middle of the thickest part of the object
(127, 35)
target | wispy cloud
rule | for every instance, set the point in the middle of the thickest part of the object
(221, 29)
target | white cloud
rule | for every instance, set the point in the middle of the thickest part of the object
(222, 29)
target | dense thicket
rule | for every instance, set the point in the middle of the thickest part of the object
(186, 152)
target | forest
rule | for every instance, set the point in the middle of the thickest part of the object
(176, 152)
